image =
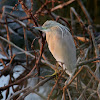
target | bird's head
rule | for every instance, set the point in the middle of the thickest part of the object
(53, 27)
(47, 26)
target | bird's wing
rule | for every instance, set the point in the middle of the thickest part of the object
(68, 42)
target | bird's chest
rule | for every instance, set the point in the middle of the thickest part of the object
(52, 40)
(54, 43)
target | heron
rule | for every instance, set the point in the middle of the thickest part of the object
(61, 44)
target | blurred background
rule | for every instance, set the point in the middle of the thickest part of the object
(20, 49)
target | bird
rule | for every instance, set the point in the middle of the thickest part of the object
(61, 44)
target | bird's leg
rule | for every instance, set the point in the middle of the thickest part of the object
(56, 71)
(70, 77)
(68, 82)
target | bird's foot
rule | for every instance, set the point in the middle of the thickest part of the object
(55, 73)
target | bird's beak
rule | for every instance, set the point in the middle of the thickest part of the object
(39, 28)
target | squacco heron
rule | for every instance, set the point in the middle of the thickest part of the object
(61, 44)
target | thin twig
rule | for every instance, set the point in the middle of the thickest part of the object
(54, 86)
(90, 21)
(62, 5)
